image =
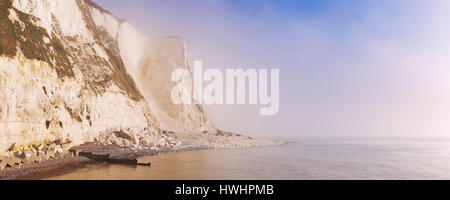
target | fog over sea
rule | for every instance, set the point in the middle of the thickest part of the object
(420, 158)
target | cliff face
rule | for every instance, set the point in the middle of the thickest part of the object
(151, 62)
(71, 70)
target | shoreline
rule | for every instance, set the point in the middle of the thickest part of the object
(60, 166)
(45, 169)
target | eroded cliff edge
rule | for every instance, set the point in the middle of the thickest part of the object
(71, 73)
(62, 77)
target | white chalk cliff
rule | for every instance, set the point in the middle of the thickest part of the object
(71, 70)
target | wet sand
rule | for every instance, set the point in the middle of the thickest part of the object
(61, 166)
(45, 169)
(57, 167)
(209, 164)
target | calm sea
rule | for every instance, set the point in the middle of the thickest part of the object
(303, 159)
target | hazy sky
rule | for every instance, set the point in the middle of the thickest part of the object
(372, 68)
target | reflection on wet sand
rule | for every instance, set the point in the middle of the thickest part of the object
(184, 165)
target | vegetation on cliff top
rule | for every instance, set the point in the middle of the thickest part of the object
(30, 39)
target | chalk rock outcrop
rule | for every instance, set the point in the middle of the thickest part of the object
(70, 70)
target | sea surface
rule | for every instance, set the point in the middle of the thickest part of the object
(307, 159)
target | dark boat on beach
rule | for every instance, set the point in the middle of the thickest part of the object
(108, 158)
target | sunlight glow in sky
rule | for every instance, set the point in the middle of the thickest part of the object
(377, 68)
